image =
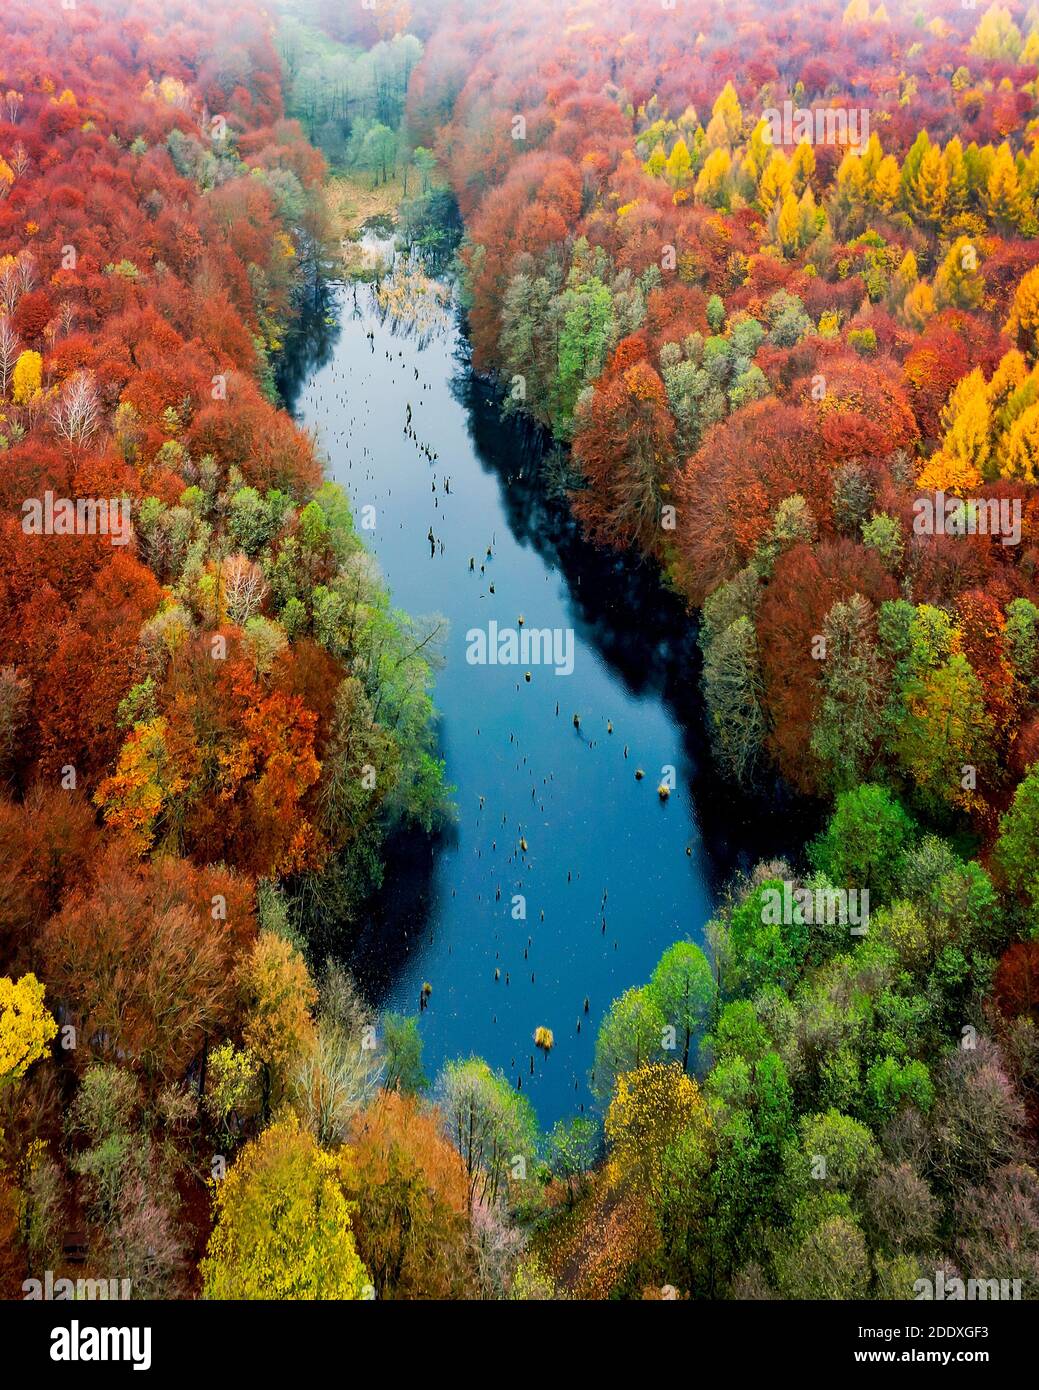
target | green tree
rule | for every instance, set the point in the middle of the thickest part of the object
(733, 694)
(573, 1145)
(862, 842)
(490, 1124)
(683, 988)
(631, 1034)
(1017, 849)
(402, 1046)
(587, 332)
(378, 150)
(846, 727)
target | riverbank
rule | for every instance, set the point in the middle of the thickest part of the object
(355, 205)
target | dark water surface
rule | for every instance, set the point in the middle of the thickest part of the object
(611, 875)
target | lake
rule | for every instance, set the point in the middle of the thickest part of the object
(566, 875)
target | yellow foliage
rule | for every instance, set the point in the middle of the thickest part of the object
(918, 305)
(282, 1224)
(25, 1026)
(960, 463)
(652, 1106)
(710, 186)
(28, 375)
(948, 473)
(775, 182)
(1024, 312)
(958, 282)
(930, 188)
(802, 166)
(997, 36)
(1019, 450)
(278, 995)
(887, 184)
(726, 118)
(851, 179)
(1003, 193)
(787, 226)
(1011, 373)
(144, 782)
(679, 164)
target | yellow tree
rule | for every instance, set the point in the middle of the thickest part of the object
(959, 465)
(651, 1107)
(278, 995)
(28, 375)
(918, 306)
(282, 1224)
(904, 279)
(25, 1026)
(886, 184)
(679, 164)
(788, 226)
(1003, 196)
(759, 147)
(802, 166)
(956, 175)
(1023, 322)
(775, 182)
(930, 188)
(958, 283)
(871, 157)
(726, 121)
(142, 787)
(711, 184)
(1011, 373)
(851, 184)
(657, 162)
(997, 36)
(856, 12)
(1019, 448)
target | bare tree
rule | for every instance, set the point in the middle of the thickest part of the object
(20, 161)
(9, 287)
(76, 413)
(244, 588)
(25, 267)
(8, 353)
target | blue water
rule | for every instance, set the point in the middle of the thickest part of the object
(611, 874)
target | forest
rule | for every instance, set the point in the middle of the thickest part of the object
(795, 378)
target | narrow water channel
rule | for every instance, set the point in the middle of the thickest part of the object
(611, 874)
